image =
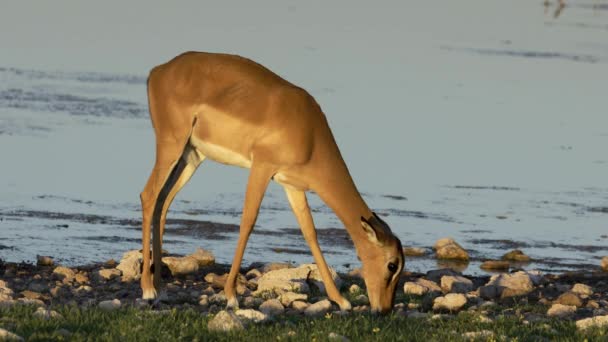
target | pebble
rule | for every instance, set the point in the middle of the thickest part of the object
(484, 335)
(252, 315)
(604, 263)
(337, 337)
(561, 311)
(597, 321)
(354, 289)
(319, 308)
(288, 297)
(8, 336)
(456, 284)
(272, 307)
(516, 255)
(109, 273)
(225, 321)
(45, 314)
(495, 265)
(299, 305)
(110, 305)
(582, 289)
(414, 251)
(450, 302)
(43, 260)
(64, 273)
(569, 298)
(447, 248)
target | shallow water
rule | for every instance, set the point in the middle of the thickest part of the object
(484, 121)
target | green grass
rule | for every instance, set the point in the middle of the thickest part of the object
(131, 324)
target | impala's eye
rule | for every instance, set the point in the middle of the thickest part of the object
(392, 267)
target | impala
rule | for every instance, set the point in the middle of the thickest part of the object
(237, 112)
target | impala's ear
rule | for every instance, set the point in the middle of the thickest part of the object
(369, 229)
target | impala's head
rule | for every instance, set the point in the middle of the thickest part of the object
(382, 258)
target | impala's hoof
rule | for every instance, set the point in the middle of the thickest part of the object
(149, 294)
(345, 305)
(232, 304)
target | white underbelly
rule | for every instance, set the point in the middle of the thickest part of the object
(220, 154)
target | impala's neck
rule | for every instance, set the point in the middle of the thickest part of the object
(336, 188)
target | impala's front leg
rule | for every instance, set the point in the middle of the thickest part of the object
(259, 177)
(299, 205)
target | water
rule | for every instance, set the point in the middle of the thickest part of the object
(482, 120)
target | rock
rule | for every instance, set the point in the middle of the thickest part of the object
(516, 255)
(110, 305)
(481, 335)
(319, 308)
(495, 265)
(253, 273)
(252, 302)
(456, 284)
(569, 298)
(43, 260)
(251, 315)
(130, 265)
(414, 251)
(225, 321)
(38, 287)
(294, 279)
(272, 307)
(31, 294)
(181, 265)
(489, 292)
(597, 321)
(561, 311)
(203, 300)
(109, 273)
(337, 337)
(450, 302)
(218, 298)
(220, 281)
(360, 300)
(510, 285)
(8, 336)
(582, 289)
(435, 275)
(447, 248)
(299, 305)
(45, 314)
(81, 278)
(420, 287)
(204, 258)
(354, 289)
(288, 297)
(275, 266)
(417, 314)
(64, 273)
(31, 302)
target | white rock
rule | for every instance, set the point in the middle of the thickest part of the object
(65, 273)
(485, 335)
(582, 289)
(225, 321)
(204, 258)
(294, 279)
(604, 263)
(318, 308)
(130, 265)
(354, 289)
(252, 315)
(7, 336)
(299, 305)
(203, 300)
(109, 273)
(450, 302)
(420, 287)
(110, 305)
(597, 321)
(45, 314)
(288, 297)
(181, 265)
(508, 285)
(272, 307)
(337, 337)
(456, 284)
(561, 311)
(447, 248)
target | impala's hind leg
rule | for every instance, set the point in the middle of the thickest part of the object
(156, 199)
